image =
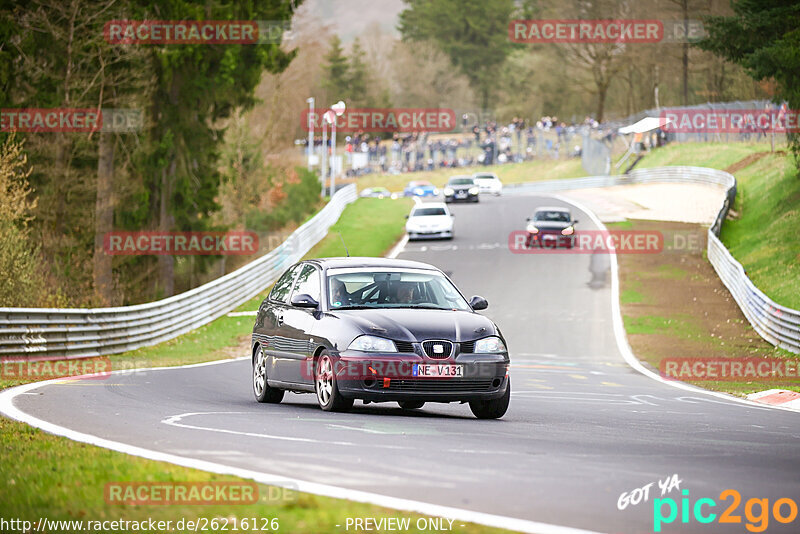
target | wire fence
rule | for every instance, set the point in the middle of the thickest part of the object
(86, 332)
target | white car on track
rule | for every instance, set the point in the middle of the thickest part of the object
(488, 183)
(429, 220)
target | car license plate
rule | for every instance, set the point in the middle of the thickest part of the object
(435, 371)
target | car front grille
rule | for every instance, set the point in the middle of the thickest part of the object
(441, 384)
(430, 351)
(404, 346)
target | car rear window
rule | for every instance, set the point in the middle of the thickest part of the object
(421, 212)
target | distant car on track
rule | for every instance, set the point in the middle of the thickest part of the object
(488, 183)
(429, 220)
(420, 188)
(378, 330)
(551, 226)
(375, 192)
(461, 189)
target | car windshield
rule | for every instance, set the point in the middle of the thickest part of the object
(485, 177)
(359, 289)
(422, 212)
(554, 216)
(461, 181)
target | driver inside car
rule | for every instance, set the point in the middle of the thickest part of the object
(405, 294)
(339, 294)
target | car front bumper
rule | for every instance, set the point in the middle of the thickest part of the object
(385, 378)
(425, 234)
(455, 197)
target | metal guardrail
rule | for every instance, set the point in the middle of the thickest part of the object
(85, 332)
(777, 324)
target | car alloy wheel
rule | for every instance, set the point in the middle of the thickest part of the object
(328, 396)
(262, 390)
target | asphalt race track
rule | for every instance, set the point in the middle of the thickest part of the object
(583, 426)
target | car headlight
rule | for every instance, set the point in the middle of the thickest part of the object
(569, 230)
(448, 192)
(489, 345)
(435, 191)
(532, 229)
(372, 344)
(474, 190)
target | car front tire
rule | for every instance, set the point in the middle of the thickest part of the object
(492, 409)
(328, 396)
(262, 390)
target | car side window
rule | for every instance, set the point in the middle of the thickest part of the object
(280, 291)
(308, 282)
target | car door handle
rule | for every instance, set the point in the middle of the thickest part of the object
(280, 319)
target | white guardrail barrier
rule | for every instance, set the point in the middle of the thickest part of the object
(777, 324)
(85, 332)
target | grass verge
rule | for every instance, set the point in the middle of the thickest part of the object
(59, 479)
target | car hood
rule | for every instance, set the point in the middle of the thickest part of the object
(403, 324)
(431, 221)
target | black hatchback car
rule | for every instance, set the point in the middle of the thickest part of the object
(378, 330)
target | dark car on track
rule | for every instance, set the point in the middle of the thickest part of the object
(551, 226)
(461, 189)
(377, 330)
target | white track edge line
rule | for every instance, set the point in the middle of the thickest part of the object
(8, 409)
(619, 326)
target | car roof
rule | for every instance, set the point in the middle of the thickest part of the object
(342, 262)
(552, 208)
(485, 175)
(417, 183)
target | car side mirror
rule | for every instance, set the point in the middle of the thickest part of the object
(406, 216)
(478, 303)
(528, 219)
(576, 221)
(304, 300)
(452, 215)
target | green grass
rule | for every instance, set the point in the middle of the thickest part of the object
(713, 155)
(764, 239)
(680, 325)
(48, 476)
(670, 272)
(369, 227)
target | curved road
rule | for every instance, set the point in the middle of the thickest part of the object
(583, 426)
